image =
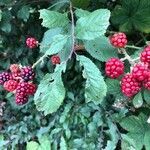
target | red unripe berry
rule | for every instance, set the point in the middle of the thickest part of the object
(10, 85)
(5, 76)
(17, 76)
(140, 71)
(31, 88)
(21, 99)
(114, 67)
(145, 54)
(22, 88)
(31, 42)
(118, 40)
(14, 68)
(55, 59)
(129, 85)
(27, 73)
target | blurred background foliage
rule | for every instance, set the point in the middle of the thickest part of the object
(76, 125)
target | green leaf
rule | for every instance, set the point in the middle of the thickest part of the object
(132, 15)
(138, 131)
(32, 145)
(57, 44)
(147, 96)
(48, 38)
(52, 19)
(51, 92)
(95, 88)
(24, 13)
(63, 145)
(94, 25)
(5, 24)
(138, 100)
(111, 144)
(44, 143)
(81, 13)
(100, 48)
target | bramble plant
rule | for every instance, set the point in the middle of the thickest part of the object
(75, 74)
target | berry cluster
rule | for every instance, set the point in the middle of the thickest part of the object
(18, 81)
(55, 59)
(131, 83)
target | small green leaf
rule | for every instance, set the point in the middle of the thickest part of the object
(63, 145)
(52, 19)
(24, 13)
(32, 145)
(51, 92)
(95, 88)
(0, 15)
(100, 48)
(138, 100)
(94, 25)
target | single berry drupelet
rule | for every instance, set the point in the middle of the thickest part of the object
(10, 85)
(31, 88)
(140, 71)
(22, 88)
(114, 67)
(14, 68)
(21, 99)
(145, 54)
(118, 40)
(27, 73)
(55, 59)
(5, 76)
(130, 86)
(31, 42)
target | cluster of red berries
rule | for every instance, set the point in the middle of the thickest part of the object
(18, 80)
(131, 83)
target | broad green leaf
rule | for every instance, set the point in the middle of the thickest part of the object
(52, 19)
(63, 144)
(100, 48)
(138, 131)
(147, 96)
(82, 13)
(48, 38)
(138, 100)
(132, 15)
(24, 13)
(95, 88)
(94, 25)
(57, 44)
(51, 92)
(32, 145)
